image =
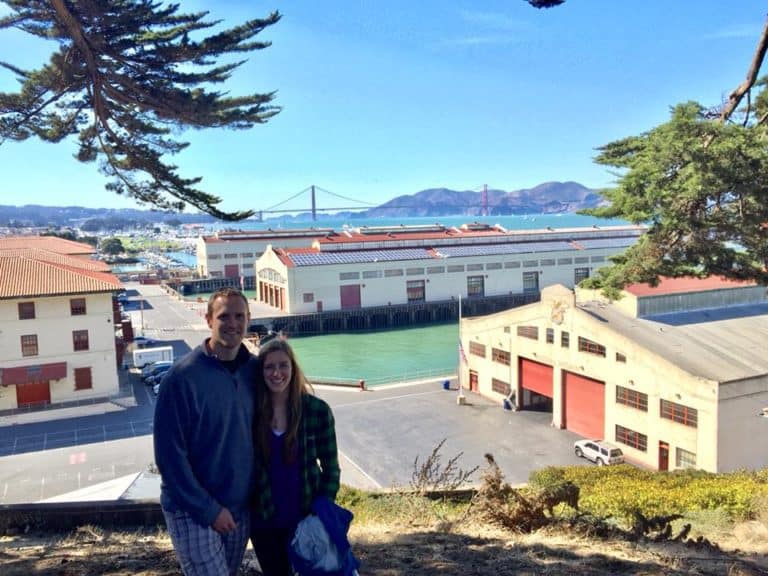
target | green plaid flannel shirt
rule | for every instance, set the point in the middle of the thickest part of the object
(319, 460)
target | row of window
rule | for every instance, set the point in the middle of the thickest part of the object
(233, 256)
(530, 279)
(29, 345)
(76, 308)
(638, 441)
(668, 410)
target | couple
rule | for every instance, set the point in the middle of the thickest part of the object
(242, 446)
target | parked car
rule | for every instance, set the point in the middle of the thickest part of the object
(143, 341)
(155, 367)
(598, 451)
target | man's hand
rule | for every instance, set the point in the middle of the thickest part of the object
(224, 522)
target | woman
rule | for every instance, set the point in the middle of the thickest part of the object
(296, 454)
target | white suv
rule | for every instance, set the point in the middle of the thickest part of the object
(598, 452)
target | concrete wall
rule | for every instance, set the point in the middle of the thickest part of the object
(742, 429)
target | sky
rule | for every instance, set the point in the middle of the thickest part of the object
(381, 99)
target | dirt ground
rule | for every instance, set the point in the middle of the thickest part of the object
(396, 551)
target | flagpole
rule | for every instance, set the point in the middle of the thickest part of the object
(461, 371)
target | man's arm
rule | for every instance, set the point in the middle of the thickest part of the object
(173, 421)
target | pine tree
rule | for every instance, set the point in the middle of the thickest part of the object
(125, 76)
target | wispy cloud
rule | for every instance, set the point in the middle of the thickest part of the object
(735, 31)
(488, 29)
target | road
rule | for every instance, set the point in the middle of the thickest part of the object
(380, 432)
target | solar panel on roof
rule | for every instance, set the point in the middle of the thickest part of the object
(496, 249)
(359, 256)
(608, 242)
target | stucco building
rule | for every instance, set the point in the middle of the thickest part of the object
(231, 254)
(380, 266)
(676, 375)
(57, 323)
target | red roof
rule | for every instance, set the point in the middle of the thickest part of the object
(55, 258)
(25, 277)
(50, 243)
(686, 284)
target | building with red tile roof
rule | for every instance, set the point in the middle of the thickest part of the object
(57, 342)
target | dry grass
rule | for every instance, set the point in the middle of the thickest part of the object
(441, 549)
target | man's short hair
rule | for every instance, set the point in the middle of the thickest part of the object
(227, 292)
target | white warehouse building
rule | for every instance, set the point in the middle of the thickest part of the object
(380, 266)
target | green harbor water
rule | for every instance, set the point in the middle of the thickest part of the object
(380, 357)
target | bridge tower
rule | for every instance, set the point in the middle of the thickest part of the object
(484, 200)
(314, 205)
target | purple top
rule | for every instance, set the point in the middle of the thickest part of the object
(285, 481)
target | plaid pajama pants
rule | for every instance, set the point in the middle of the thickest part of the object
(201, 550)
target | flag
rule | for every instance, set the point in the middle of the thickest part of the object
(462, 356)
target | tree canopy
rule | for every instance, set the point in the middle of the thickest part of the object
(700, 184)
(127, 75)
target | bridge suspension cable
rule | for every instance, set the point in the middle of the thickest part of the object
(287, 200)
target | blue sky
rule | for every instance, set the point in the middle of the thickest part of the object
(388, 98)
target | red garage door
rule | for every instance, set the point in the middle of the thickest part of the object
(584, 405)
(536, 377)
(33, 393)
(231, 270)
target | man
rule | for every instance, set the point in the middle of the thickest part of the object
(204, 443)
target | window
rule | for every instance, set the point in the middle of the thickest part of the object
(415, 291)
(547, 261)
(247, 265)
(500, 356)
(77, 306)
(29, 345)
(580, 274)
(493, 266)
(477, 349)
(564, 261)
(475, 286)
(550, 335)
(511, 264)
(80, 340)
(631, 438)
(679, 413)
(230, 256)
(26, 310)
(456, 268)
(531, 332)
(414, 271)
(309, 297)
(530, 263)
(684, 459)
(565, 340)
(530, 282)
(581, 260)
(474, 267)
(621, 358)
(214, 257)
(500, 386)
(598, 258)
(247, 255)
(393, 272)
(435, 269)
(349, 275)
(632, 398)
(83, 379)
(586, 345)
(371, 274)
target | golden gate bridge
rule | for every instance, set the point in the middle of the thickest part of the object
(360, 204)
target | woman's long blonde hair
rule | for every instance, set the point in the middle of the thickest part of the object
(297, 387)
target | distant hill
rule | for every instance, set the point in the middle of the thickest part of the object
(546, 198)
